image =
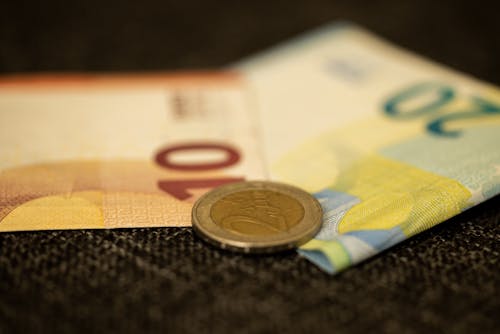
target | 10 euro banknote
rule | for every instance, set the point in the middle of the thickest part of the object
(391, 144)
(120, 151)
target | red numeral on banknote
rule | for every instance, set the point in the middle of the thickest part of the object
(180, 188)
(163, 158)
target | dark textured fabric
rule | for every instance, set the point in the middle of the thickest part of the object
(444, 280)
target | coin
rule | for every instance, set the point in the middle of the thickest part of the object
(257, 217)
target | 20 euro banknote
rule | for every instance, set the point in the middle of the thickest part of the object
(391, 144)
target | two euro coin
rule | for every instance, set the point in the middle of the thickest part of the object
(257, 217)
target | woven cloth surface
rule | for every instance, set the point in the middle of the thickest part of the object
(443, 280)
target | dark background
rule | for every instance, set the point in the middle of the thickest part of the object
(443, 280)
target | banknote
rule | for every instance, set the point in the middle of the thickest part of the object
(390, 143)
(90, 151)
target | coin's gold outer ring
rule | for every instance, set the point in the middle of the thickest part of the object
(297, 235)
